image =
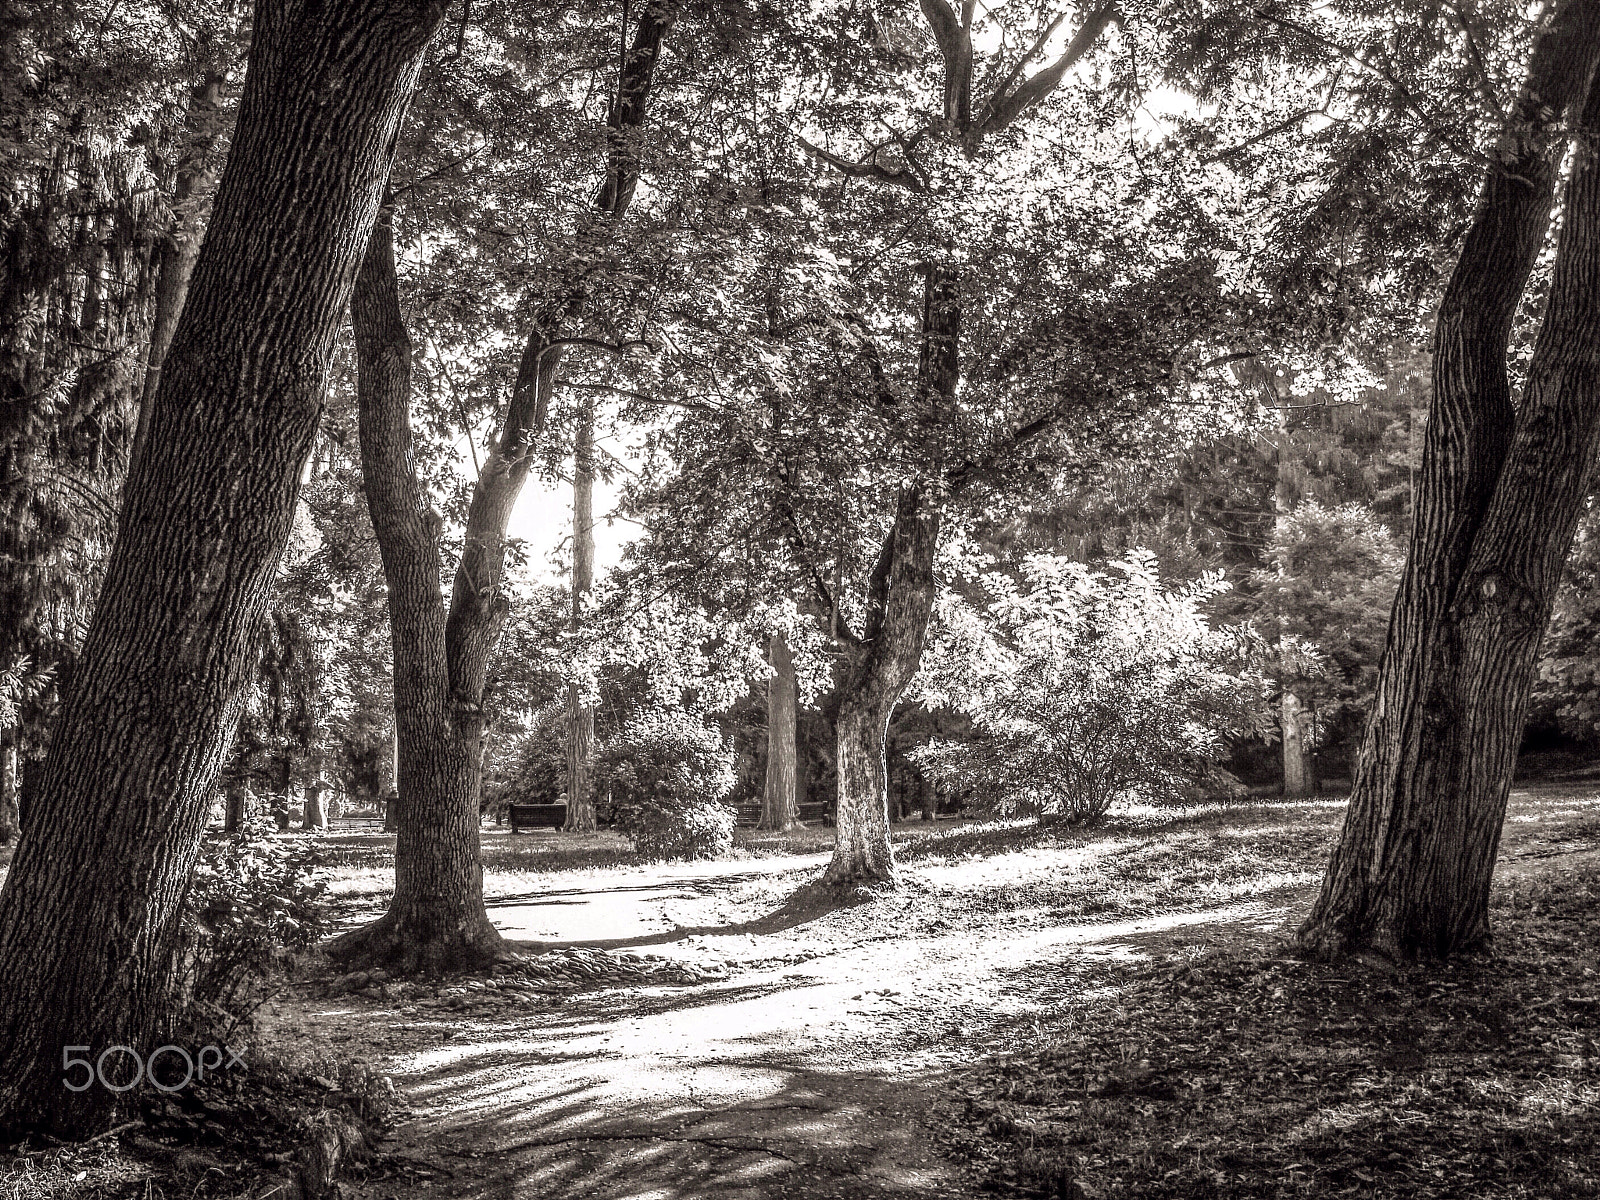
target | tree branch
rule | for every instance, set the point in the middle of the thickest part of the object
(1002, 109)
(871, 168)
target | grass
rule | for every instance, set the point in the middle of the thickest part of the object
(1230, 1068)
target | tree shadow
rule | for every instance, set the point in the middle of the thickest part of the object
(696, 1128)
(805, 905)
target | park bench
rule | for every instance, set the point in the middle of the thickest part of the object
(537, 816)
(356, 825)
(817, 813)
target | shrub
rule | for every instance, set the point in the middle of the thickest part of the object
(252, 901)
(667, 774)
(1085, 688)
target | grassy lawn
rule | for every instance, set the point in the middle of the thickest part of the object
(1230, 1068)
(1117, 1013)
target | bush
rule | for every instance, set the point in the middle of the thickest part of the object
(253, 901)
(1085, 688)
(668, 774)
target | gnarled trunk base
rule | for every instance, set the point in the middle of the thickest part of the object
(862, 854)
(432, 940)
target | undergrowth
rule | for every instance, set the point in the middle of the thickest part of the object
(1250, 1073)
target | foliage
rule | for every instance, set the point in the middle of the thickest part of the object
(668, 774)
(20, 683)
(538, 773)
(1085, 688)
(1321, 603)
(253, 899)
(1566, 690)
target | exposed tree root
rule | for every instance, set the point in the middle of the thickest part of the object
(431, 948)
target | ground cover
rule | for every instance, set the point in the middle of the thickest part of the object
(1037, 1012)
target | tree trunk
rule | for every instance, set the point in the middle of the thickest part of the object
(1497, 503)
(234, 807)
(437, 921)
(389, 793)
(10, 786)
(312, 815)
(90, 908)
(779, 806)
(580, 716)
(1292, 715)
(1298, 777)
(900, 602)
(883, 666)
(191, 196)
(930, 800)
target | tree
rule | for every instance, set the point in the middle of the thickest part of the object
(1085, 688)
(436, 920)
(943, 337)
(1321, 602)
(89, 908)
(779, 805)
(580, 716)
(1497, 500)
(96, 111)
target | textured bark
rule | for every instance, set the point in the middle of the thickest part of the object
(881, 669)
(580, 716)
(1496, 504)
(10, 787)
(900, 603)
(191, 194)
(90, 907)
(779, 802)
(234, 807)
(436, 921)
(1293, 719)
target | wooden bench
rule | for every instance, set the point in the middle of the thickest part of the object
(816, 813)
(356, 825)
(537, 816)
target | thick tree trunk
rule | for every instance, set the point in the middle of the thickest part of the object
(882, 668)
(90, 907)
(900, 603)
(779, 805)
(437, 921)
(196, 176)
(580, 716)
(1496, 506)
(1293, 719)
(10, 786)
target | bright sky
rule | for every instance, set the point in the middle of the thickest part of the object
(543, 517)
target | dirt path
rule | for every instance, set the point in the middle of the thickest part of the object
(812, 1071)
(819, 1066)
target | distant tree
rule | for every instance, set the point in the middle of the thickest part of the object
(779, 805)
(1566, 691)
(89, 910)
(1321, 603)
(111, 122)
